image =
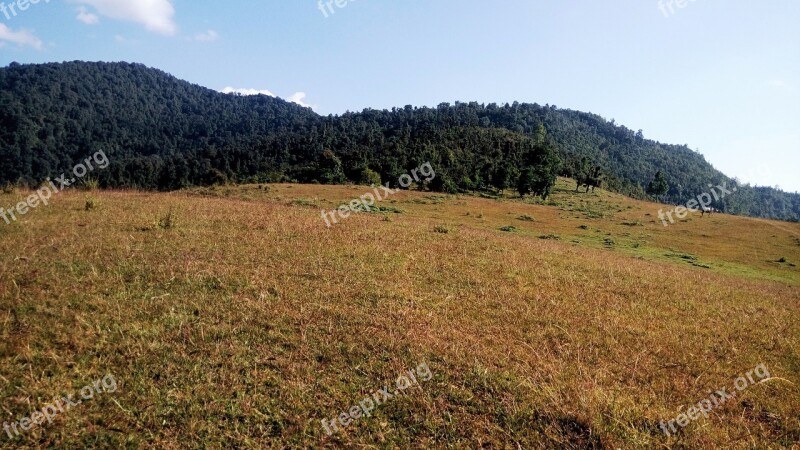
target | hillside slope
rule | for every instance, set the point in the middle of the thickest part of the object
(163, 133)
(244, 320)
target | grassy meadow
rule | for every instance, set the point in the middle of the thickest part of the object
(233, 317)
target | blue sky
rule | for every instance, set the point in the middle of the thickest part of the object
(723, 78)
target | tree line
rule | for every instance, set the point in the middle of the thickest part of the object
(163, 133)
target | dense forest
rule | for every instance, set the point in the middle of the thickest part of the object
(163, 133)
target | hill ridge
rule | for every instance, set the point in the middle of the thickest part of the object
(166, 133)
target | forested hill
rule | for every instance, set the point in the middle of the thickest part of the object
(163, 133)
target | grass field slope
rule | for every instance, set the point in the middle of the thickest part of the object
(232, 316)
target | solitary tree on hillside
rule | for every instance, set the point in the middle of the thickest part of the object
(658, 186)
(589, 177)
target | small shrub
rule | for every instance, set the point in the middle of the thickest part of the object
(214, 177)
(584, 227)
(782, 260)
(89, 184)
(441, 229)
(305, 202)
(508, 229)
(91, 204)
(168, 221)
(387, 209)
(379, 209)
(526, 218)
(9, 189)
(609, 242)
(550, 237)
(370, 177)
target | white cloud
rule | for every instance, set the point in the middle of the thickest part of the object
(299, 98)
(155, 15)
(87, 17)
(244, 91)
(208, 36)
(21, 37)
(781, 85)
(123, 40)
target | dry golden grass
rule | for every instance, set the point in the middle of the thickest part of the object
(246, 321)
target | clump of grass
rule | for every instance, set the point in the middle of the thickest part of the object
(633, 224)
(526, 218)
(90, 184)
(91, 204)
(608, 242)
(441, 229)
(9, 189)
(508, 229)
(550, 237)
(681, 256)
(387, 209)
(430, 200)
(376, 209)
(168, 221)
(584, 227)
(783, 260)
(304, 202)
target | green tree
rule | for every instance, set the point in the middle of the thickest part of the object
(369, 177)
(658, 186)
(525, 182)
